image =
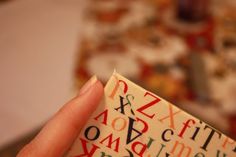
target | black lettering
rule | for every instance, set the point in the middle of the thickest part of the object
(96, 135)
(131, 129)
(213, 131)
(164, 133)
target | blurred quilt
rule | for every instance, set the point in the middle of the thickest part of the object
(184, 51)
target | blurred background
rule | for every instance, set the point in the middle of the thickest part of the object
(182, 50)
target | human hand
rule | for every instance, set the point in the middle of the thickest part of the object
(61, 130)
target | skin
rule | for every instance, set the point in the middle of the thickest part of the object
(61, 130)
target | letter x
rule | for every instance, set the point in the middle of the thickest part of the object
(170, 116)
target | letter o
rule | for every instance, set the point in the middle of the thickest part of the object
(114, 122)
(96, 135)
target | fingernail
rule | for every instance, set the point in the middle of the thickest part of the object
(88, 85)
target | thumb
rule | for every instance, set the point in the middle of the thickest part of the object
(61, 131)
